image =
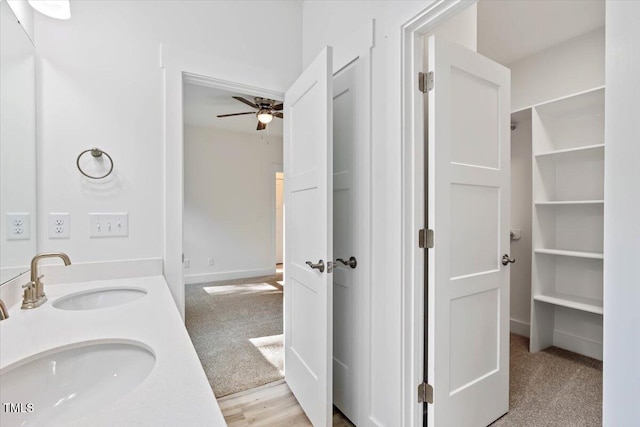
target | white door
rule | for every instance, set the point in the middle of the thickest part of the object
(345, 243)
(469, 199)
(308, 292)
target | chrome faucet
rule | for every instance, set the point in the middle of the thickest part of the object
(4, 313)
(34, 295)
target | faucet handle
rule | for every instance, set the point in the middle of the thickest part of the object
(27, 285)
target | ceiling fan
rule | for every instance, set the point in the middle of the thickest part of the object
(267, 110)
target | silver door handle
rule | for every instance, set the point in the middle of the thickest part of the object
(506, 260)
(318, 266)
(353, 262)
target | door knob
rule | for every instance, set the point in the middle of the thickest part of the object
(506, 260)
(318, 266)
(352, 262)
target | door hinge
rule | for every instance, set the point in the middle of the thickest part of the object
(425, 393)
(425, 238)
(425, 81)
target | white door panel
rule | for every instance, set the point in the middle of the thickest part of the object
(308, 293)
(468, 191)
(345, 238)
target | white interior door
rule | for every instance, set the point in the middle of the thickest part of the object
(308, 292)
(469, 199)
(346, 278)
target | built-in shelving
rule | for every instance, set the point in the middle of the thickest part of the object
(575, 254)
(571, 301)
(568, 223)
(568, 202)
(571, 150)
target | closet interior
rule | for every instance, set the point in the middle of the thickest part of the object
(557, 167)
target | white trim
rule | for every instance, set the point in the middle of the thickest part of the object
(413, 197)
(577, 344)
(214, 83)
(228, 275)
(273, 170)
(563, 97)
(519, 327)
(11, 292)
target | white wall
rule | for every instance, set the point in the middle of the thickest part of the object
(521, 219)
(621, 217)
(229, 190)
(573, 66)
(101, 85)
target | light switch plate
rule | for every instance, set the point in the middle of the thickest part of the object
(108, 224)
(59, 225)
(18, 225)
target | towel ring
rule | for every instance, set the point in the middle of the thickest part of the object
(95, 152)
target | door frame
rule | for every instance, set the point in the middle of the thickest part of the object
(180, 66)
(413, 199)
(273, 170)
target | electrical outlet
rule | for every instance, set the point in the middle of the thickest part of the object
(18, 226)
(187, 263)
(210, 262)
(108, 224)
(59, 225)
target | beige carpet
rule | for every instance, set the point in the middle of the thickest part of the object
(236, 329)
(552, 388)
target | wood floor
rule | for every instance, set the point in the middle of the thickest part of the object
(270, 405)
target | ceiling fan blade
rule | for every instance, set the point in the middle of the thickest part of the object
(279, 115)
(244, 101)
(261, 126)
(278, 107)
(236, 114)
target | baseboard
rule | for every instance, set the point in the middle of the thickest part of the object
(101, 270)
(577, 344)
(9, 273)
(191, 279)
(11, 291)
(519, 327)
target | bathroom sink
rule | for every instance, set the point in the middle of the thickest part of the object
(98, 298)
(67, 383)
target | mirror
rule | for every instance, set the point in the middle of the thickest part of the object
(17, 147)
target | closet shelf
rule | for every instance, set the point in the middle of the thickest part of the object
(571, 150)
(571, 301)
(569, 202)
(576, 254)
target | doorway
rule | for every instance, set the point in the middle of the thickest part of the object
(221, 294)
(563, 315)
(233, 309)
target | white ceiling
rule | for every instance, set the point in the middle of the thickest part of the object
(202, 105)
(509, 30)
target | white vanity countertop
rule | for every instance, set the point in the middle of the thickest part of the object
(176, 392)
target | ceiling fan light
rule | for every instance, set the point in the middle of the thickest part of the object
(58, 9)
(265, 116)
